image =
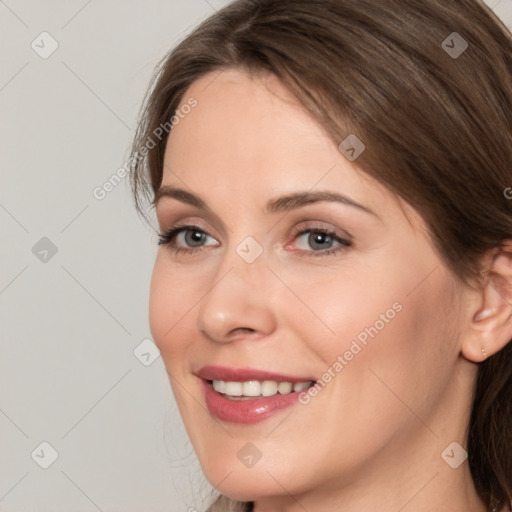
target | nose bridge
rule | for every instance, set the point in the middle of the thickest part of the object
(237, 298)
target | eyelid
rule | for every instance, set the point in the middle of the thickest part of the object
(316, 225)
(169, 235)
(169, 214)
(345, 241)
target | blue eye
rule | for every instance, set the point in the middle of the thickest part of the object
(194, 238)
(319, 239)
(323, 239)
(193, 235)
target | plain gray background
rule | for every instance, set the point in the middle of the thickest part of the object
(75, 270)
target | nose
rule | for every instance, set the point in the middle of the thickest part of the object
(238, 303)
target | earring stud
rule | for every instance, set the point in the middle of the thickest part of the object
(483, 352)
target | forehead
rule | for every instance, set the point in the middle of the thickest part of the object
(246, 108)
(248, 123)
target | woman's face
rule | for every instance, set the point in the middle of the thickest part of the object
(345, 292)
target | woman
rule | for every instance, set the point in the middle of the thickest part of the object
(332, 295)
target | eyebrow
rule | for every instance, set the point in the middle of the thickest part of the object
(280, 204)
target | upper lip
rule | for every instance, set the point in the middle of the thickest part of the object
(244, 374)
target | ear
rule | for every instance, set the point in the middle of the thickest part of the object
(491, 325)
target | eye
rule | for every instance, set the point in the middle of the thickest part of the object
(191, 239)
(322, 241)
(192, 236)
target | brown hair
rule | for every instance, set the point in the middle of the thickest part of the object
(437, 126)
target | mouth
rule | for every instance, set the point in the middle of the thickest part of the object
(249, 396)
(252, 389)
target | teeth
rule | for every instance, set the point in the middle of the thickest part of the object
(254, 388)
(219, 385)
(284, 387)
(299, 386)
(233, 388)
(269, 388)
(251, 388)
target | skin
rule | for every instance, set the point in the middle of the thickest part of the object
(372, 438)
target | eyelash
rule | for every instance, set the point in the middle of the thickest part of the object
(168, 237)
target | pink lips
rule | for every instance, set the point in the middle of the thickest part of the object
(250, 410)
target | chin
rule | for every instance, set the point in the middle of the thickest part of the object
(248, 487)
(261, 481)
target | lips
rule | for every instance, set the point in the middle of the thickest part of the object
(245, 374)
(247, 410)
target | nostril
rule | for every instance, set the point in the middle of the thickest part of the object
(241, 332)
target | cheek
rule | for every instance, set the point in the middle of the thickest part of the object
(378, 300)
(168, 305)
(382, 325)
(401, 342)
(344, 305)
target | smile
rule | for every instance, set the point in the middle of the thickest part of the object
(254, 388)
(247, 396)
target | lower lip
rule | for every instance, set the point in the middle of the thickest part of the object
(252, 410)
